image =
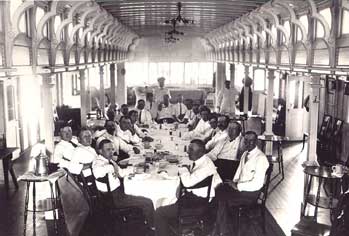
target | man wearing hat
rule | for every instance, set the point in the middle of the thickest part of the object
(160, 91)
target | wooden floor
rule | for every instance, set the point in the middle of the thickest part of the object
(284, 201)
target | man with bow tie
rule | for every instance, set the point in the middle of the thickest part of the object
(201, 168)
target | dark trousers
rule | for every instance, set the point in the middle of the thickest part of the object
(164, 215)
(227, 197)
(226, 168)
(121, 199)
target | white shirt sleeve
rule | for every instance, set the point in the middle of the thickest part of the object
(101, 168)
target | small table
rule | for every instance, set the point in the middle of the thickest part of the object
(6, 156)
(323, 173)
(279, 158)
(51, 203)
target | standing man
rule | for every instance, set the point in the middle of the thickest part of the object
(226, 99)
(161, 91)
(246, 185)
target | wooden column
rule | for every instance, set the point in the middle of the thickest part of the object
(83, 97)
(101, 89)
(269, 112)
(220, 78)
(112, 84)
(314, 101)
(232, 85)
(121, 97)
(246, 91)
(48, 111)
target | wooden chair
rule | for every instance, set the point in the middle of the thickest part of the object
(259, 204)
(323, 133)
(192, 214)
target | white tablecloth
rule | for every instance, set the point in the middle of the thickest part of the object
(160, 188)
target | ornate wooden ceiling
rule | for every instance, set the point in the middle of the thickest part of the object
(147, 17)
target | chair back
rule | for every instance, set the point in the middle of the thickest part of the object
(264, 191)
(207, 182)
(88, 183)
(325, 126)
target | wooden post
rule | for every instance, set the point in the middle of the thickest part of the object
(83, 97)
(101, 89)
(246, 90)
(232, 86)
(220, 78)
(314, 101)
(269, 112)
(121, 97)
(48, 112)
(112, 84)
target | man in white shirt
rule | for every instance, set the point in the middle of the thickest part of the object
(192, 123)
(160, 92)
(246, 185)
(203, 128)
(123, 111)
(189, 114)
(135, 128)
(144, 116)
(127, 133)
(179, 109)
(201, 168)
(83, 154)
(64, 149)
(226, 154)
(151, 106)
(220, 135)
(105, 165)
(226, 99)
(165, 111)
(120, 146)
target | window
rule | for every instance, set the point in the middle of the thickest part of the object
(75, 85)
(326, 13)
(1, 16)
(345, 20)
(10, 102)
(191, 73)
(259, 80)
(177, 72)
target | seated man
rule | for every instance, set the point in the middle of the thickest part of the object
(179, 109)
(83, 154)
(64, 149)
(201, 168)
(105, 165)
(246, 185)
(214, 127)
(189, 114)
(122, 112)
(165, 111)
(126, 132)
(144, 117)
(134, 117)
(194, 117)
(226, 153)
(122, 149)
(150, 105)
(221, 134)
(203, 128)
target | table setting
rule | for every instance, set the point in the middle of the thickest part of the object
(154, 171)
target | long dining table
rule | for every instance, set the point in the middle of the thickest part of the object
(159, 181)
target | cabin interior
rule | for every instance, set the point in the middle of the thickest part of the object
(66, 58)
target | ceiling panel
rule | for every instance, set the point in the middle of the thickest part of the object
(147, 18)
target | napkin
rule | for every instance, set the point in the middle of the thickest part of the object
(141, 176)
(164, 175)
